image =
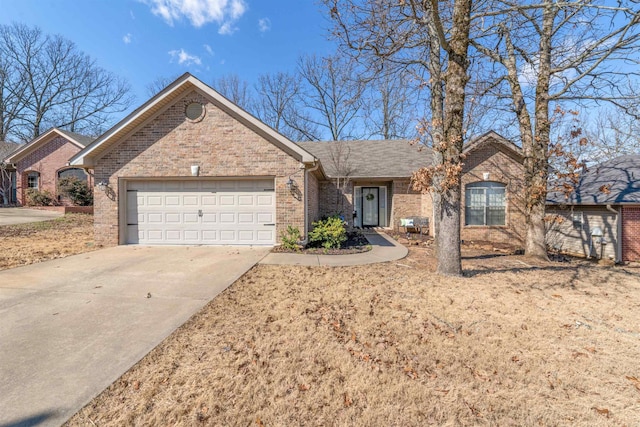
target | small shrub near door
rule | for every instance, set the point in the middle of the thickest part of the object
(36, 197)
(329, 233)
(291, 238)
(76, 190)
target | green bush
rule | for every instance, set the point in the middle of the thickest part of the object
(35, 197)
(291, 238)
(77, 190)
(329, 233)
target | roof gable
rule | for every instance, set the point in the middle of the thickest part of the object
(164, 99)
(501, 143)
(76, 139)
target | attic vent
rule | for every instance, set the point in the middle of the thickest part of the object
(194, 111)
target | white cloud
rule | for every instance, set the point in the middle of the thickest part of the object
(264, 25)
(184, 58)
(200, 12)
(208, 49)
(126, 38)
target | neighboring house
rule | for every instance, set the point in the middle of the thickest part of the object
(369, 182)
(601, 216)
(191, 167)
(7, 174)
(42, 162)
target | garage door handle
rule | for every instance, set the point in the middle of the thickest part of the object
(268, 224)
(200, 212)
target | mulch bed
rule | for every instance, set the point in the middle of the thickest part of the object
(356, 243)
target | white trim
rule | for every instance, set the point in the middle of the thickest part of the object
(35, 144)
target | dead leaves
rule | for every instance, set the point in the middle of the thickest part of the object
(602, 411)
(635, 381)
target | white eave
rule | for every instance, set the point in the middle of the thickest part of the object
(155, 105)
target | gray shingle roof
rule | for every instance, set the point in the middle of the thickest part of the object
(7, 148)
(369, 159)
(81, 139)
(621, 176)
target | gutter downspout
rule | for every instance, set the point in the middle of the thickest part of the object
(306, 199)
(618, 232)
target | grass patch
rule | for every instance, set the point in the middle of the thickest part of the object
(29, 243)
(516, 342)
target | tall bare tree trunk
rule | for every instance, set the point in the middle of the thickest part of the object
(437, 120)
(536, 154)
(456, 78)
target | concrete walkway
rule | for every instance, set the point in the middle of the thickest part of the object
(383, 249)
(10, 216)
(71, 326)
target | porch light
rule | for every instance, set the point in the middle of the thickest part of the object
(102, 186)
(290, 184)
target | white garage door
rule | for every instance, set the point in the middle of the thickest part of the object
(239, 212)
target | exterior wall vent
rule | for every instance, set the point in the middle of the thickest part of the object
(195, 111)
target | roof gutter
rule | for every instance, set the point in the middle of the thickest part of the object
(618, 232)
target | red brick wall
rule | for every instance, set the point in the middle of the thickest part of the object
(631, 233)
(47, 159)
(169, 144)
(505, 169)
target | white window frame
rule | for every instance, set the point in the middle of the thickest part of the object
(484, 189)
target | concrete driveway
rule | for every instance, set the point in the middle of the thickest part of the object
(10, 216)
(72, 326)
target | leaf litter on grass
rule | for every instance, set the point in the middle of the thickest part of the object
(386, 345)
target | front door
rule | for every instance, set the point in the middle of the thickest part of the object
(370, 206)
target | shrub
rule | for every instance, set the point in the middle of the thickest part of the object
(35, 197)
(77, 190)
(329, 233)
(291, 238)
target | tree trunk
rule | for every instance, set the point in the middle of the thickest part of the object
(537, 165)
(456, 78)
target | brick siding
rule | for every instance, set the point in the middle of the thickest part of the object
(47, 159)
(169, 144)
(631, 233)
(505, 169)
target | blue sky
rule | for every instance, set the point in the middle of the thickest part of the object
(141, 40)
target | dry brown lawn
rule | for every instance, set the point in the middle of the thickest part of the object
(514, 343)
(24, 244)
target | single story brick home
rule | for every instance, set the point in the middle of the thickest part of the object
(42, 162)
(601, 216)
(191, 167)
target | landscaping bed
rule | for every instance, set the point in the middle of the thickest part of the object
(356, 243)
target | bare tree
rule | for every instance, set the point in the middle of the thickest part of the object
(235, 90)
(553, 53)
(280, 106)
(432, 38)
(391, 105)
(54, 84)
(332, 96)
(158, 84)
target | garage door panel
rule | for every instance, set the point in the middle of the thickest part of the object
(209, 218)
(209, 200)
(190, 217)
(246, 218)
(201, 212)
(246, 200)
(265, 200)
